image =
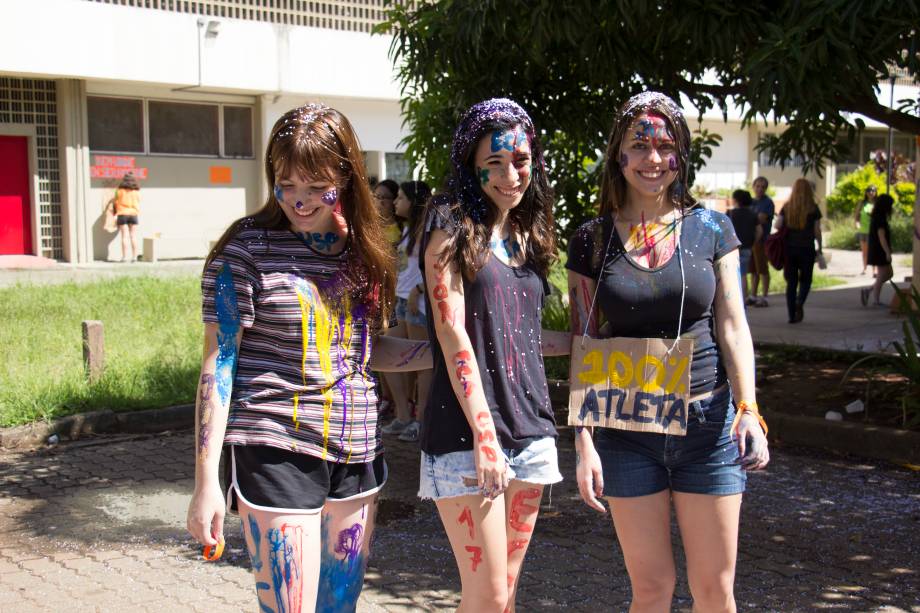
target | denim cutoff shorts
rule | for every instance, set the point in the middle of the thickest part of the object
(704, 461)
(441, 475)
(744, 258)
(403, 314)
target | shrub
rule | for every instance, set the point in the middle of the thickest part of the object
(841, 232)
(851, 188)
(902, 233)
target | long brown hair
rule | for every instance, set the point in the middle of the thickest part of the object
(319, 142)
(475, 213)
(801, 203)
(613, 183)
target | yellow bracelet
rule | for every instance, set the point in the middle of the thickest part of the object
(748, 407)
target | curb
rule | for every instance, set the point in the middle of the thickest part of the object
(81, 425)
(851, 438)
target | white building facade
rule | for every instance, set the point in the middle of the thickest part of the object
(182, 92)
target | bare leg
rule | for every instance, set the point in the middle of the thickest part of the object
(285, 553)
(884, 274)
(123, 233)
(643, 527)
(347, 528)
(709, 531)
(397, 381)
(864, 248)
(744, 287)
(766, 284)
(132, 230)
(423, 377)
(476, 530)
(755, 283)
(523, 505)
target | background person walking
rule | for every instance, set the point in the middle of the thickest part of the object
(862, 219)
(879, 252)
(802, 219)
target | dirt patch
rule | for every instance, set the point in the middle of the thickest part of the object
(800, 382)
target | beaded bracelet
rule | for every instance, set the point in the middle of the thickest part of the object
(748, 407)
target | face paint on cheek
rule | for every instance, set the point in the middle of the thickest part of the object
(278, 194)
(672, 163)
(483, 175)
(624, 161)
(330, 197)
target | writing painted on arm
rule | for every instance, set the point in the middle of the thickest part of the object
(630, 384)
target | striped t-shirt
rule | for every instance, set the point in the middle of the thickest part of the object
(302, 380)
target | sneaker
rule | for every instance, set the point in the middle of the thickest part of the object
(395, 427)
(799, 313)
(750, 301)
(864, 296)
(410, 433)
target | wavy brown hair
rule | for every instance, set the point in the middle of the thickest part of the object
(475, 214)
(801, 203)
(318, 142)
(613, 183)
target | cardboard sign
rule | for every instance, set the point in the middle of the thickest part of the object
(630, 384)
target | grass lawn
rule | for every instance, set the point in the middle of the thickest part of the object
(818, 281)
(153, 336)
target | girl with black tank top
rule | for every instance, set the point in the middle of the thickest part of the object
(488, 435)
(657, 265)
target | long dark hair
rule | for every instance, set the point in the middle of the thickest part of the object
(418, 194)
(319, 142)
(613, 183)
(884, 205)
(474, 213)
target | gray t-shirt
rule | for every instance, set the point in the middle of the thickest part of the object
(645, 303)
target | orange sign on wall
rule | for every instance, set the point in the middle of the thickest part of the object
(221, 174)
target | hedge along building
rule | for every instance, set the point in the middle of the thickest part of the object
(182, 92)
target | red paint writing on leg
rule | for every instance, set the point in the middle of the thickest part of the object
(489, 453)
(467, 518)
(486, 437)
(519, 506)
(477, 555)
(516, 544)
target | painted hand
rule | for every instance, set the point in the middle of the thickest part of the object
(205, 520)
(589, 475)
(753, 450)
(491, 469)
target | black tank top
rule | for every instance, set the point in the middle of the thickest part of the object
(503, 319)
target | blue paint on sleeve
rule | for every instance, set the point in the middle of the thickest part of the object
(228, 320)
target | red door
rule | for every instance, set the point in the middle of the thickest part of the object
(15, 217)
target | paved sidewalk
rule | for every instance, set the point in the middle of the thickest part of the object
(834, 317)
(98, 525)
(97, 271)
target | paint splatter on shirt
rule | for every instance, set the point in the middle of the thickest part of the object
(645, 303)
(302, 380)
(503, 320)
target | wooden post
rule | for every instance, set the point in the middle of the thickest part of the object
(93, 350)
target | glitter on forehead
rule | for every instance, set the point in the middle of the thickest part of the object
(464, 183)
(646, 100)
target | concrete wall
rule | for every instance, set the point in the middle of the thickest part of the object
(178, 204)
(89, 40)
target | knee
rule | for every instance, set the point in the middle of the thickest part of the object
(653, 589)
(715, 593)
(491, 597)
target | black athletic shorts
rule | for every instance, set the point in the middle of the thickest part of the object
(281, 480)
(122, 220)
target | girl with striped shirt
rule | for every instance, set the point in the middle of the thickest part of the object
(293, 297)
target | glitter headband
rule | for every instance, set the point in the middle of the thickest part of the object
(464, 186)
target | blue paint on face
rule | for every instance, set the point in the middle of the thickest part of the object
(509, 139)
(340, 580)
(279, 193)
(255, 556)
(228, 319)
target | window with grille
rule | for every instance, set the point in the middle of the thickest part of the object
(183, 128)
(237, 131)
(115, 124)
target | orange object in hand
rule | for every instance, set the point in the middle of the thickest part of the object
(212, 553)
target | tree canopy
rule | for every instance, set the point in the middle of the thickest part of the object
(808, 64)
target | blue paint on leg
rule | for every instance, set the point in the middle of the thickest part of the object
(340, 580)
(275, 557)
(255, 556)
(263, 608)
